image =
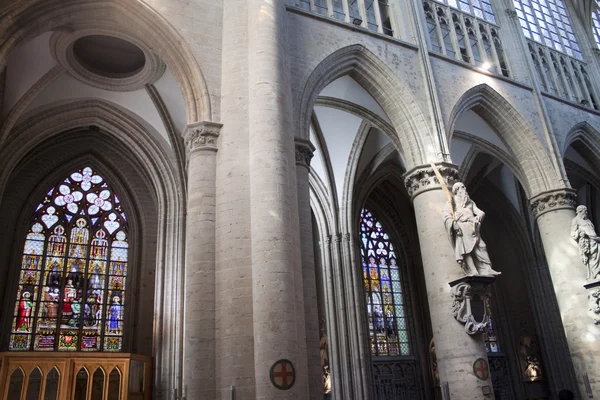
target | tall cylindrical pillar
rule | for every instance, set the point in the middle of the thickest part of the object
(458, 354)
(554, 211)
(199, 306)
(276, 281)
(304, 153)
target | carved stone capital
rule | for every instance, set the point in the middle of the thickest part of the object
(469, 302)
(553, 200)
(304, 152)
(202, 136)
(423, 178)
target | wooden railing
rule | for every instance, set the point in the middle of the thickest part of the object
(75, 376)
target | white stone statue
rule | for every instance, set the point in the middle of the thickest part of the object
(463, 220)
(583, 232)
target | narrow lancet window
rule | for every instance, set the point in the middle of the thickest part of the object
(387, 324)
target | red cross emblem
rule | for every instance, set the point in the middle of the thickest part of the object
(283, 374)
(480, 369)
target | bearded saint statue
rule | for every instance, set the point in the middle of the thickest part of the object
(462, 220)
(583, 232)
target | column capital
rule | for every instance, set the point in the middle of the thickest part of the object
(202, 136)
(552, 200)
(422, 178)
(304, 152)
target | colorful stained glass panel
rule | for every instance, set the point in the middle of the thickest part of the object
(388, 334)
(62, 300)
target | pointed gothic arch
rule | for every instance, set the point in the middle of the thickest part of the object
(514, 131)
(24, 20)
(585, 139)
(130, 139)
(412, 127)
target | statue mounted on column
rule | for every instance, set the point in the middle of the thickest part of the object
(583, 232)
(462, 219)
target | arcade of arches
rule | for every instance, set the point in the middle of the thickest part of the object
(259, 199)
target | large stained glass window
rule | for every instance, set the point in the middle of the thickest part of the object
(71, 292)
(388, 330)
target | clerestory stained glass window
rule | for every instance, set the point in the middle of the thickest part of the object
(596, 23)
(547, 22)
(481, 9)
(71, 293)
(387, 324)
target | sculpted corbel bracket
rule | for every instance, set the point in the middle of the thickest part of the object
(469, 307)
(593, 289)
(553, 200)
(304, 152)
(202, 136)
(423, 178)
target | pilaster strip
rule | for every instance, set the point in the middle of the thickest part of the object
(304, 152)
(552, 200)
(422, 178)
(202, 136)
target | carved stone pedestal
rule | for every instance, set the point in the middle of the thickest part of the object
(593, 290)
(470, 295)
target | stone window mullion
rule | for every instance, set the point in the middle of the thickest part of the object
(467, 39)
(558, 73)
(454, 38)
(378, 16)
(572, 89)
(552, 72)
(346, 10)
(547, 70)
(363, 14)
(330, 8)
(592, 94)
(539, 68)
(484, 56)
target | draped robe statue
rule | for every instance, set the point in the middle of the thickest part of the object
(583, 232)
(463, 223)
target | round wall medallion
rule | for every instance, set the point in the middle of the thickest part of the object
(106, 58)
(283, 374)
(480, 369)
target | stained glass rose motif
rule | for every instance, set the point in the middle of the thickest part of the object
(86, 177)
(68, 198)
(99, 202)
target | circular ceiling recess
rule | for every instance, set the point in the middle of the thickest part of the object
(108, 59)
(109, 56)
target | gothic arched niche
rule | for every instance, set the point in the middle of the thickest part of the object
(71, 290)
(137, 189)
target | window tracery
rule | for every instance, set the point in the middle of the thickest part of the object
(71, 293)
(481, 9)
(547, 22)
(374, 15)
(387, 323)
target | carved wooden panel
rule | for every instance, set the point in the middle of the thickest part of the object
(75, 376)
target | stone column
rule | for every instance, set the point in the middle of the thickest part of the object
(554, 211)
(456, 351)
(199, 308)
(278, 309)
(304, 153)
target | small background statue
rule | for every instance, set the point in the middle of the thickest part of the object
(462, 220)
(583, 232)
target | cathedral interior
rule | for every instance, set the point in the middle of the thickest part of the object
(299, 199)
